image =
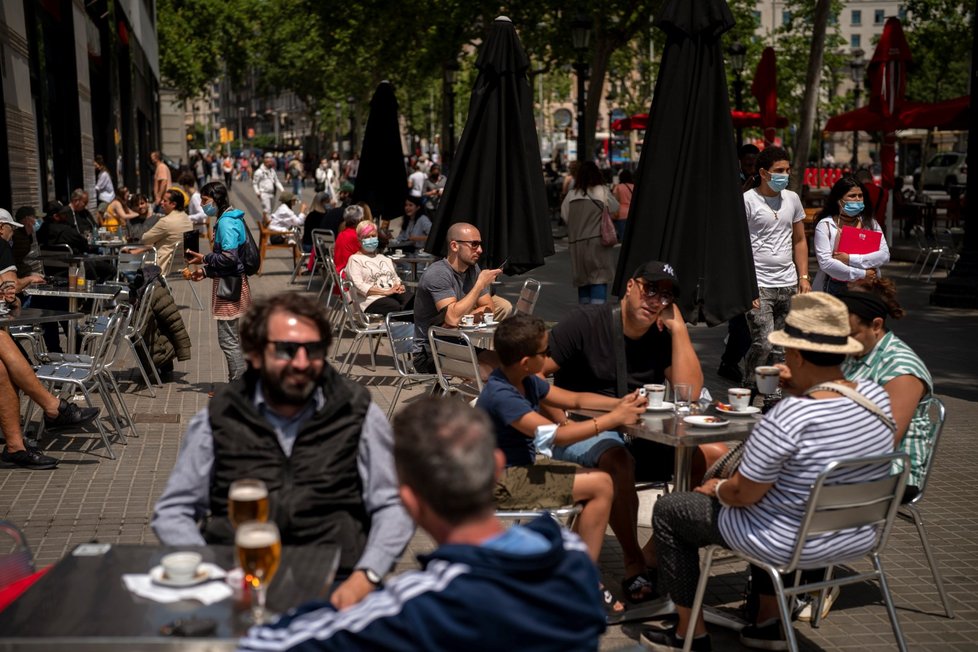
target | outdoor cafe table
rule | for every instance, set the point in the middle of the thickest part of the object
(82, 603)
(413, 260)
(74, 294)
(28, 316)
(666, 428)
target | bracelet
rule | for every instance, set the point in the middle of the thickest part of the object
(716, 492)
(596, 429)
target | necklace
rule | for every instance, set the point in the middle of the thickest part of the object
(771, 208)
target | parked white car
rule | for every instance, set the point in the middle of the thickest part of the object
(944, 170)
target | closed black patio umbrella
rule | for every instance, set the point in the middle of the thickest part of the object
(496, 179)
(688, 208)
(382, 179)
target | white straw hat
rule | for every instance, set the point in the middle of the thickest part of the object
(816, 322)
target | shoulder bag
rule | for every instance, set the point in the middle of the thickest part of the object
(609, 237)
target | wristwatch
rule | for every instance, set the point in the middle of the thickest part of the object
(804, 277)
(372, 576)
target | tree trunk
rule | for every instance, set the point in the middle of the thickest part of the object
(813, 80)
(596, 74)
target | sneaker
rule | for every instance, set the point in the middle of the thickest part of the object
(653, 639)
(764, 637)
(730, 372)
(31, 458)
(70, 414)
(805, 615)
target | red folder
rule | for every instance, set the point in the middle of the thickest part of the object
(858, 241)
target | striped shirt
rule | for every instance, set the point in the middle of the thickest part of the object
(789, 448)
(889, 359)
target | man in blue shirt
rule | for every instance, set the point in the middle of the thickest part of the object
(530, 587)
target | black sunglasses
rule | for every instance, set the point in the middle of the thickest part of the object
(288, 350)
(652, 292)
(475, 244)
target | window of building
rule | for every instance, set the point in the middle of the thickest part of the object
(857, 17)
(879, 16)
(786, 18)
(757, 17)
(902, 12)
(855, 41)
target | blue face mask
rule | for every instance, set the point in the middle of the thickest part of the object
(210, 210)
(370, 244)
(778, 182)
(853, 208)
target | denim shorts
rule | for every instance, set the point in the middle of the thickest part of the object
(588, 451)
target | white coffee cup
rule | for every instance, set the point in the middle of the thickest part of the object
(655, 393)
(739, 398)
(767, 379)
(181, 566)
(468, 320)
(488, 318)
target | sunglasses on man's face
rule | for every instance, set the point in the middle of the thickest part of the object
(288, 350)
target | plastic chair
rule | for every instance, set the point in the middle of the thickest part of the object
(362, 325)
(456, 362)
(832, 505)
(529, 294)
(400, 333)
(910, 512)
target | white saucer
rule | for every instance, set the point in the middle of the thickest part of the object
(396, 256)
(749, 411)
(665, 407)
(204, 572)
(702, 421)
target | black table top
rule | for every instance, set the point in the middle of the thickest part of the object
(83, 603)
(25, 316)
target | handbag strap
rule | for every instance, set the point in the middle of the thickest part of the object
(848, 392)
(618, 343)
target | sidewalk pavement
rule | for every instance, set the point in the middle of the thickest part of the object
(90, 497)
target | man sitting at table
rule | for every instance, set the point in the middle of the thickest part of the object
(317, 440)
(646, 332)
(486, 587)
(167, 234)
(450, 289)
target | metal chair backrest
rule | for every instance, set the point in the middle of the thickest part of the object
(936, 414)
(130, 264)
(400, 332)
(921, 237)
(851, 493)
(322, 240)
(357, 317)
(455, 357)
(108, 344)
(527, 301)
(145, 306)
(16, 559)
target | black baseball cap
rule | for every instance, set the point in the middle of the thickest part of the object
(656, 270)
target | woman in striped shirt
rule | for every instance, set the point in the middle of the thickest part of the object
(759, 510)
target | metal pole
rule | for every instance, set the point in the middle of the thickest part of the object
(581, 68)
(739, 102)
(240, 128)
(854, 163)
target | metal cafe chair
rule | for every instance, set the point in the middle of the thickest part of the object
(322, 242)
(529, 294)
(833, 505)
(362, 325)
(456, 361)
(910, 512)
(400, 333)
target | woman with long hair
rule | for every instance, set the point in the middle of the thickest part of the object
(846, 205)
(118, 210)
(623, 192)
(592, 263)
(229, 299)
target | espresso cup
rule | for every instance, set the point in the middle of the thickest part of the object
(767, 379)
(468, 320)
(488, 318)
(739, 398)
(181, 566)
(655, 393)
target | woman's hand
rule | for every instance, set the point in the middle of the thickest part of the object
(193, 258)
(842, 257)
(708, 488)
(399, 289)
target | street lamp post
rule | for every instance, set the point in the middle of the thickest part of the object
(339, 136)
(610, 98)
(858, 69)
(240, 127)
(450, 77)
(737, 52)
(352, 101)
(580, 37)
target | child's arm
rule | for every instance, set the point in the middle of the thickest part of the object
(568, 400)
(626, 411)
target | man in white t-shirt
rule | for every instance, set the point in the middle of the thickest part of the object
(775, 220)
(416, 181)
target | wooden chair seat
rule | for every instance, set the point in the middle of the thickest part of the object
(265, 243)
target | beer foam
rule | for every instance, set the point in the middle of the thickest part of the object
(256, 538)
(248, 493)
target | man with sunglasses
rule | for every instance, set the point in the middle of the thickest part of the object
(450, 289)
(647, 333)
(316, 440)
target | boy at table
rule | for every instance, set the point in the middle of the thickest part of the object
(512, 398)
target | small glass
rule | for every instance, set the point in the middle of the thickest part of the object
(682, 397)
(259, 548)
(89, 286)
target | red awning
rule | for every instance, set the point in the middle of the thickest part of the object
(950, 114)
(740, 119)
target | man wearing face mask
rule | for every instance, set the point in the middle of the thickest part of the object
(775, 220)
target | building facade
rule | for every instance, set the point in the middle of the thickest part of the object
(79, 78)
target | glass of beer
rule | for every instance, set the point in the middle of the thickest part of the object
(247, 501)
(259, 553)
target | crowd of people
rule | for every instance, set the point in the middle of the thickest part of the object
(338, 472)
